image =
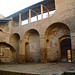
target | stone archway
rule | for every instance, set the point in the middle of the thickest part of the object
(15, 42)
(32, 46)
(7, 53)
(52, 35)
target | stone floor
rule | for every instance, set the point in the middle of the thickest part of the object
(48, 68)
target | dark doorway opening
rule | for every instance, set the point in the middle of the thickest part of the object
(66, 52)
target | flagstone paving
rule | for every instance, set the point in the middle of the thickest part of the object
(48, 68)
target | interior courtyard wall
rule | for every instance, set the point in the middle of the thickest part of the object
(65, 13)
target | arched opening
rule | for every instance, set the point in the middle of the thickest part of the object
(32, 46)
(52, 35)
(15, 41)
(7, 53)
(66, 51)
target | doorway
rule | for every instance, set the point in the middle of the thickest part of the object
(66, 52)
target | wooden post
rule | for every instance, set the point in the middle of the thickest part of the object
(10, 24)
(41, 11)
(47, 10)
(28, 20)
(29, 15)
(20, 19)
(37, 17)
(48, 13)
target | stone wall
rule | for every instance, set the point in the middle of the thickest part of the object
(64, 15)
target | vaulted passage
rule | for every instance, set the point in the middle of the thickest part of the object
(32, 46)
(7, 53)
(57, 42)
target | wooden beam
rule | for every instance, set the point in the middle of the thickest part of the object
(20, 19)
(47, 10)
(34, 11)
(42, 11)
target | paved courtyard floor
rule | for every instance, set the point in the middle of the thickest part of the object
(48, 68)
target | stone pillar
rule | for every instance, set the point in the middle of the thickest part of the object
(41, 11)
(10, 24)
(21, 52)
(43, 50)
(29, 15)
(20, 19)
(73, 46)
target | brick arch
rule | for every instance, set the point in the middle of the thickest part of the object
(52, 35)
(13, 39)
(63, 37)
(15, 34)
(15, 42)
(32, 49)
(30, 30)
(8, 45)
(55, 24)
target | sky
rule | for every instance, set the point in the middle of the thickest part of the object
(8, 7)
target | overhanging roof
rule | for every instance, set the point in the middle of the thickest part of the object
(4, 21)
(50, 4)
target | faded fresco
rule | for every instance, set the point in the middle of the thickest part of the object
(7, 54)
(33, 47)
(53, 49)
(32, 50)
